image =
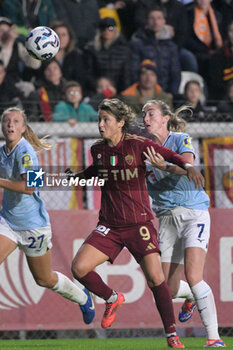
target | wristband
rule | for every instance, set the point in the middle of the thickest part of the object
(188, 165)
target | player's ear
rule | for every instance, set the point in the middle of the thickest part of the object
(121, 123)
(24, 129)
(166, 118)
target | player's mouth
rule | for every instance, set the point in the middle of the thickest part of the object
(147, 125)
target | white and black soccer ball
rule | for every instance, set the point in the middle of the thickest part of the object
(42, 43)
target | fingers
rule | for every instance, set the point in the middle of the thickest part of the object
(148, 162)
(196, 177)
(151, 154)
(69, 173)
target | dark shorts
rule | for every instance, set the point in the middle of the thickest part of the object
(140, 240)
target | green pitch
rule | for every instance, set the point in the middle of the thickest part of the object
(104, 344)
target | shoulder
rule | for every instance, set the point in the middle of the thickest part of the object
(72, 55)
(139, 35)
(97, 143)
(23, 146)
(63, 105)
(135, 138)
(25, 153)
(179, 137)
(183, 140)
(86, 107)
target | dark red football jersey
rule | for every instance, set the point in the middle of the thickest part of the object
(125, 199)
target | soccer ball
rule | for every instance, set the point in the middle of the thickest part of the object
(42, 43)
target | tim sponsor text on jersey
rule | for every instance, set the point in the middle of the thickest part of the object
(118, 174)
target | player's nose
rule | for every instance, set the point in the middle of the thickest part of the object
(145, 119)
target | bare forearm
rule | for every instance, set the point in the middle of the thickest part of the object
(175, 169)
(16, 186)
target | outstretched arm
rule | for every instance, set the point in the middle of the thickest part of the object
(85, 174)
(184, 162)
(157, 161)
(16, 186)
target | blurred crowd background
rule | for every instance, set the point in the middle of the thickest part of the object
(177, 51)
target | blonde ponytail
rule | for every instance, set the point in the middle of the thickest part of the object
(175, 123)
(36, 143)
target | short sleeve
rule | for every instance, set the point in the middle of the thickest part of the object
(27, 160)
(184, 144)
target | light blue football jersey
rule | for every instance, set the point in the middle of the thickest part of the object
(21, 211)
(169, 190)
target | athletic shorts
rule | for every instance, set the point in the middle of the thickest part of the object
(140, 240)
(34, 242)
(181, 228)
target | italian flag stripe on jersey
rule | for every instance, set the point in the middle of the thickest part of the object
(113, 160)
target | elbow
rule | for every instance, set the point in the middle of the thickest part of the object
(29, 191)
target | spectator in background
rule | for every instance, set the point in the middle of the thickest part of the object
(225, 7)
(110, 9)
(29, 13)
(82, 15)
(72, 109)
(221, 67)
(105, 88)
(147, 88)
(108, 55)
(40, 103)
(125, 11)
(176, 27)
(226, 106)
(203, 35)
(150, 42)
(69, 57)
(10, 95)
(192, 98)
(175, 13)
(12, 52)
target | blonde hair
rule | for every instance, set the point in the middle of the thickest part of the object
(175, 123)
(29, 135)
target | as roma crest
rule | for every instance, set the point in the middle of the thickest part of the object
(129, 159)
(228, 184)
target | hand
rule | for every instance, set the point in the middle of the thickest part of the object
(69, 174)
(195, 176)
(155, 159)
(119, 5)
(170, 30)
(72, 122)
